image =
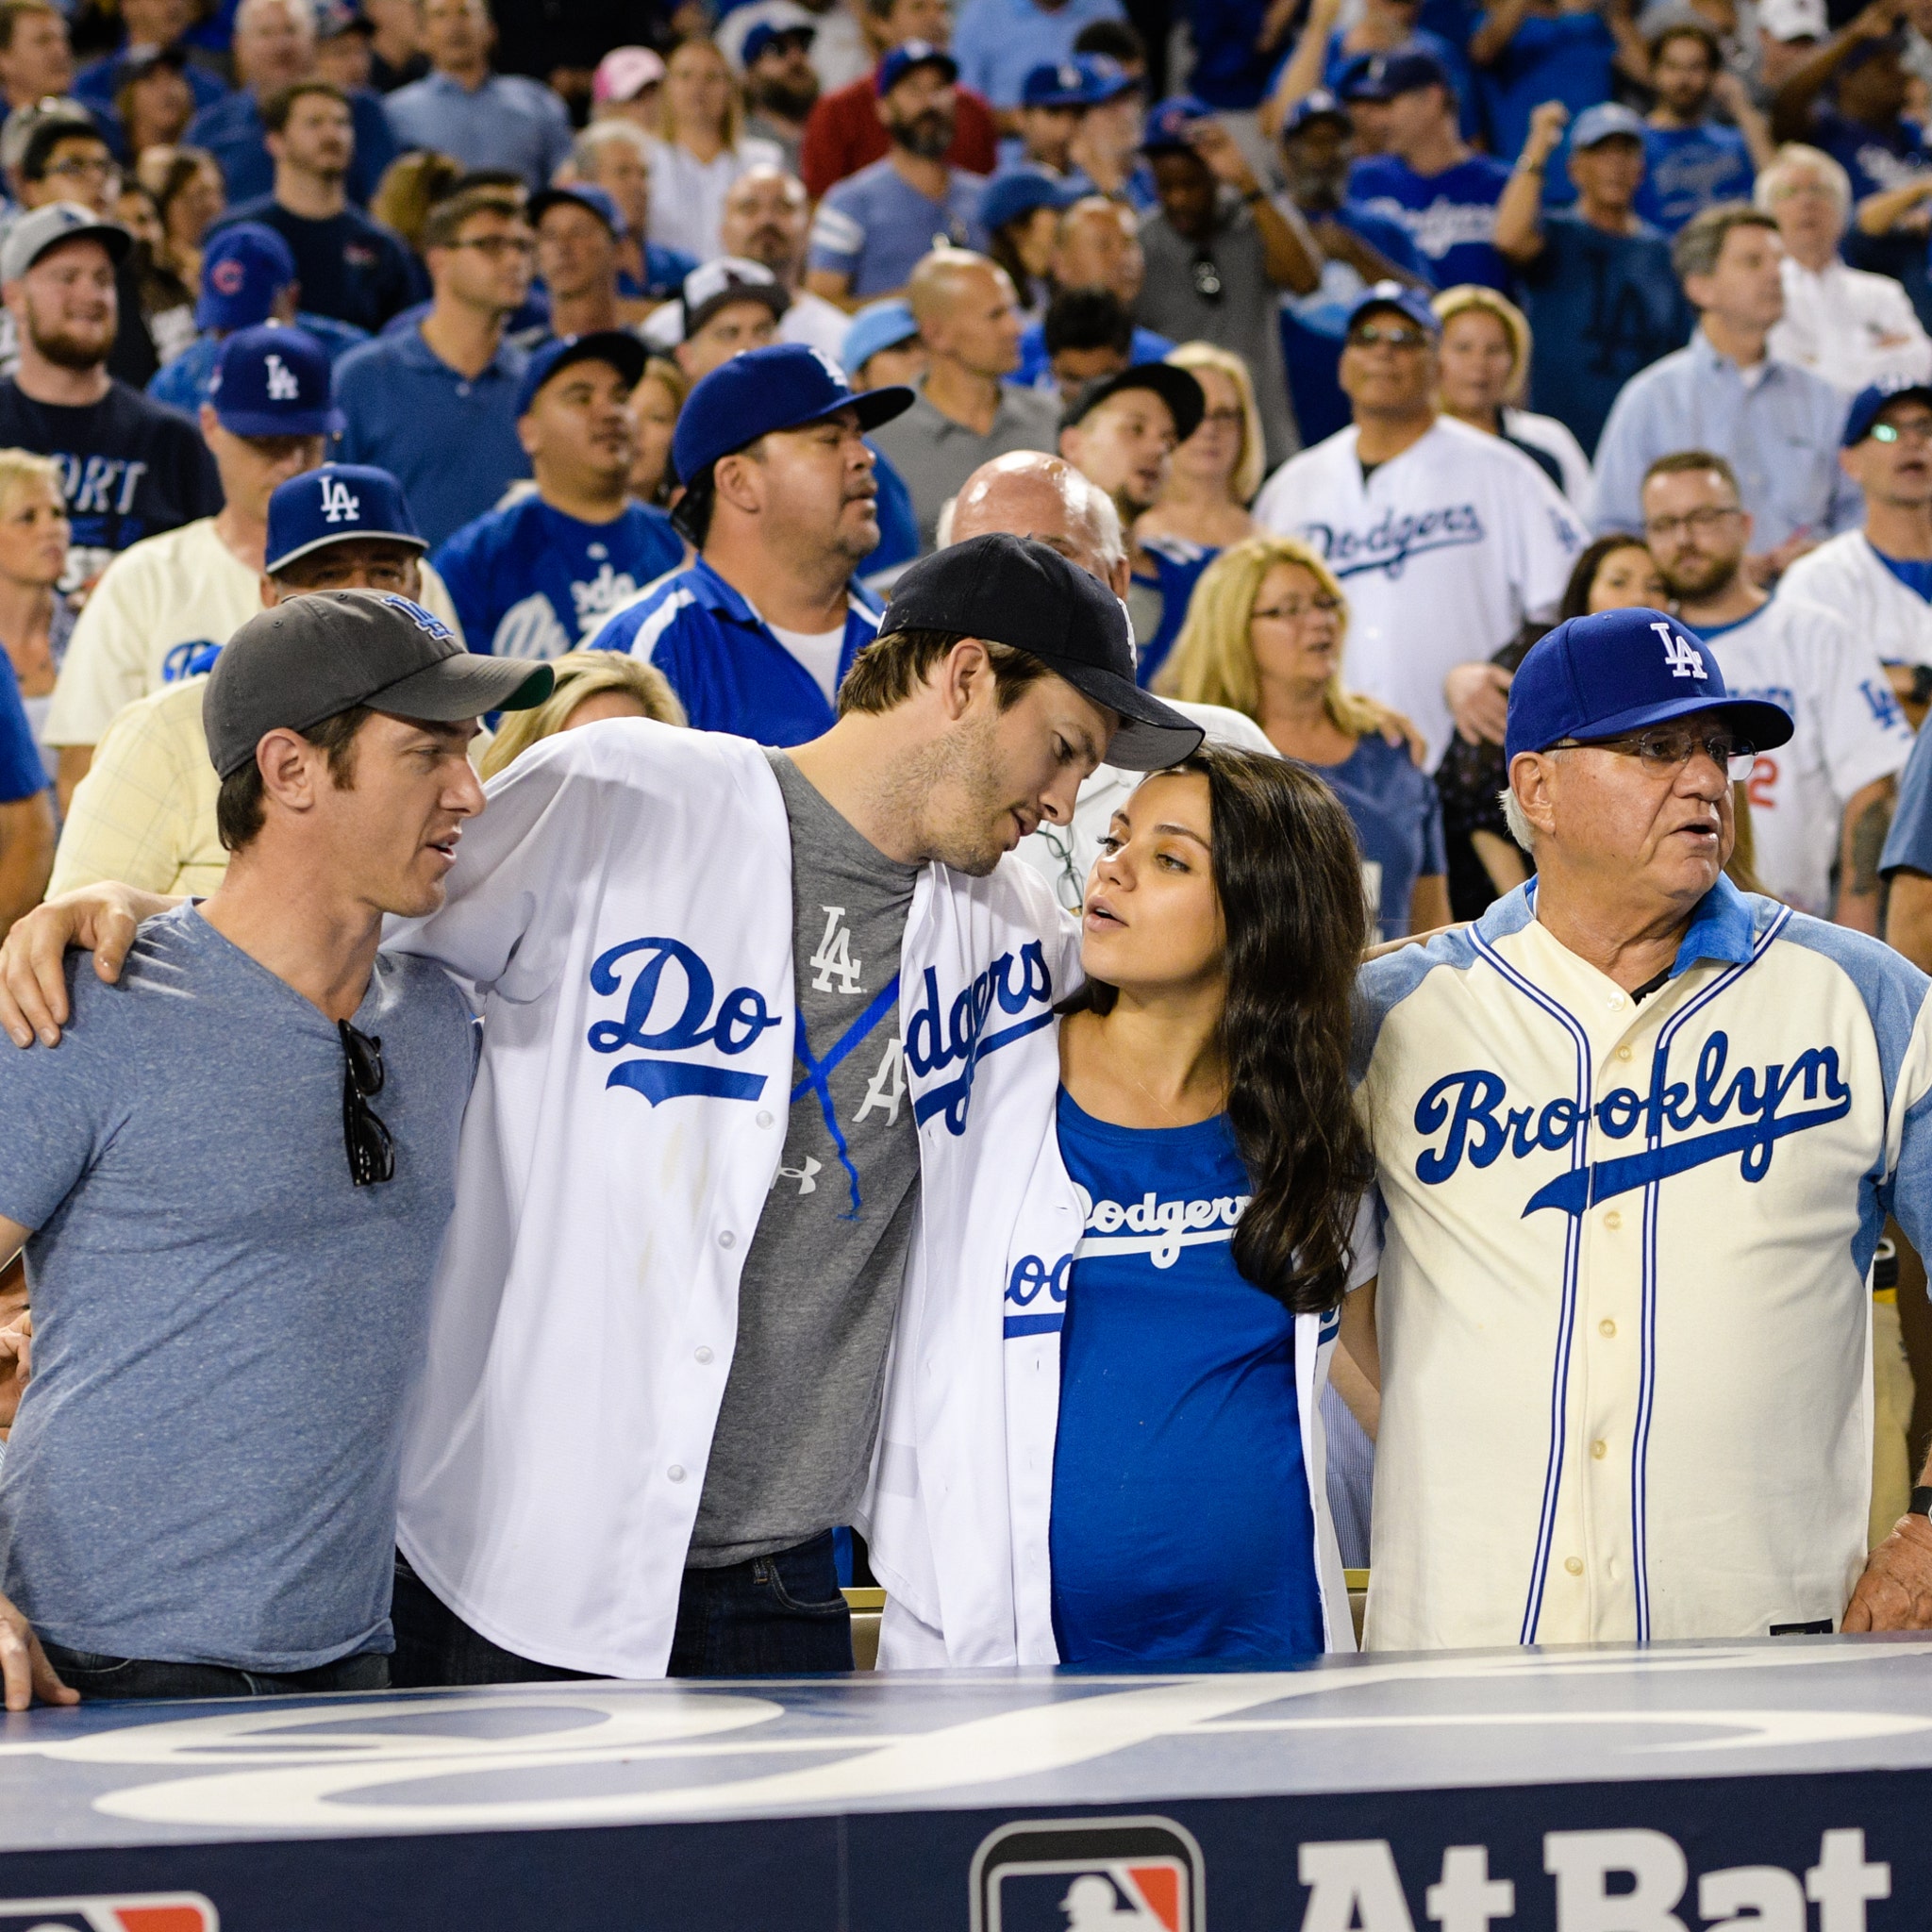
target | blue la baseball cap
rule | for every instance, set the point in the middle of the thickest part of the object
(1018, 192)
(274, 381)
(1605, 122)
(1054, 84)
(1617, 671)
(1170, 121)
(878, 326)
(333, 504)
(1397, 296)
(1398, 73)
(243, 270)
(586, 195)
(768, 33)
(1870, 400)
(1318, 104)
(904, 57)
(616, 346)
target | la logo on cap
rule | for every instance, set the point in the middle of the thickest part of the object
(282, 386)
(339, 504)
(423, 620)
(1680, 654)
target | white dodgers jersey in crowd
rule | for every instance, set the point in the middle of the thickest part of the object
(1443, 551)
(1849, 730)
(1848, 577)
(1625, 1328)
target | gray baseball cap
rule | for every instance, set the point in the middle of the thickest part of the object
(33, 234)
(306, 659)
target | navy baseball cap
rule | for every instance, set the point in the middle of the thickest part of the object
(782, 386)
(274, 381)
(1400, 296)
(1400, 73)
(1054, 84)
(768, 35)
(904, 57)
(878, 326)
(1605, 122)
(1871, 400)
(243, 270)
(1318, 104)
(1170, 123)
(616, 346)
(597, 200)
(1356, 81)
(333, 504)
(1617, 671)
(1186, 400)
(1019, 192)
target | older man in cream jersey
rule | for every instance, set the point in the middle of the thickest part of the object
(1636, 1135)
(1445, 539)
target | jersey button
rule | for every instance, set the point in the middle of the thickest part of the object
(1613, 1221)
(1614, 1002)
(703, 1354)
(1607, 1328)
(764, 1118)
(1599, 1450)
(1574, 1564)
(1623, 1052)
(728, 1240)
(676, 1475)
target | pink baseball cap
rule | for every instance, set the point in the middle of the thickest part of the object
(625, 73)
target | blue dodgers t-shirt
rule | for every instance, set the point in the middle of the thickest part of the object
(529, 581)
(1687, 169)
(1551, 57)
(21, 770)
(1451, 217)
(1177, 567)
(226, 1327)
(875, 227)
(1398, 824)
(1874, 157)
(1182, 1528)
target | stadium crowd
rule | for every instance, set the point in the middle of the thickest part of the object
(1089, 804)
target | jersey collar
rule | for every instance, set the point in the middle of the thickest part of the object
(1724, 929)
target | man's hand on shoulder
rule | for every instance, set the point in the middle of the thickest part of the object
(1895, 1591)
(101, 919)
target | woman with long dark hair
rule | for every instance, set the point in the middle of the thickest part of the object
(1163, 1378)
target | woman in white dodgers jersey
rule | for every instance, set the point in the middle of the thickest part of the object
(1163, 1370)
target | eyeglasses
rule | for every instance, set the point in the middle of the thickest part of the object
(1370, 336)
(497, 246)
(1296, 609)
(1665, 748)
(372, 1152)
(1697, 523)
(1229, 417)
(74, 169)
(1917, 429)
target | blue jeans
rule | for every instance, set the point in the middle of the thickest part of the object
(95, 1676)
(775, 1616)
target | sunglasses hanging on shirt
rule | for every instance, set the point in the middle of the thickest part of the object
(372, 1152)
(1207, 283)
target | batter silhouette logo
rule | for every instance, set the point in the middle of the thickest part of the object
(158, 1911)
(1099, 1874)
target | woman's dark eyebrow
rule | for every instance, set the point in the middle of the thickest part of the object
(1184, 832)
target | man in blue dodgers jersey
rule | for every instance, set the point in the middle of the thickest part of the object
(1636, 1135)
(539, 575)
(781, 501)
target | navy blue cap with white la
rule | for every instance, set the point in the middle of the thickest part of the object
(1617, 671)
(274, 381)
(904, 57)
(243, 270)
(1398, 73)
(333, 504)
(770, 34)
(1875, 398)
(1400, 297)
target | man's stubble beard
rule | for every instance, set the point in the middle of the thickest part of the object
(1699, 585)
(961, 767)
(68, 350)
(929, 135)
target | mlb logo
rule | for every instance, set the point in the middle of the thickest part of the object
(1115, 1874)
(157, 1911)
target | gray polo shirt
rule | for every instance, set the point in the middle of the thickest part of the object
(935, 454)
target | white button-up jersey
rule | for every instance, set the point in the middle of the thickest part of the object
(1849, 731)
(1443, 553)
(1846, 575)
(1625, 1336)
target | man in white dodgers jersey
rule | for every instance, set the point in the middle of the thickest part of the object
(1828, 792)
(1637, 1134)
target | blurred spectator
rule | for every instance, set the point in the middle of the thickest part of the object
(152, 28)
(841, 47)
(275, 48)
(999, 43)
(615, 156)
(1788, 30)
(1844, 324)
(1021, 214)
(1088, 336)
(700, 151)
(539, 576)
(625, 88)
(592, 686)
(727, 306)
(349, 267)
(781, 86)
(344, 45)
(655, 404)
(756, 634)
(1218, 254)
(448, 383)
(1487, 350)
(190, 197)
(1416, 514)
(766, 218)
(1691, 159)
(153, 104)
(167, 304)
(1326, 50)
(460, 108)
(1424, 175)
(1096, 245)
(35, 620)
(578, 234)
(883, 346)
(248, 278)
(1051, 100)
(964, 411)
(1597, 281)
(1104, 156)
(395, 46)
(871, 229)
(1863, 125)
(843, 133)
(1216, 470)
(1528, 52)
(1777, 424)
(36, 61)
(411, 186)
(26, 827)
(165, 600)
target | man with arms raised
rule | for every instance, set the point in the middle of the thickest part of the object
(1636, 1135)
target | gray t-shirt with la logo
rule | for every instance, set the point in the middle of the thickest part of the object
(821, 1283)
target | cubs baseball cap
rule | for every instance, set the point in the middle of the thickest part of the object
(312, 656)
(243, 270)
(625, 73)
(1018, 192)
(333, 504)
(1607, 121)
(1022, 593)
(1318, 104)
(1401, 297)
(1172, 120)
(878, 326)
(1400, 73)
(1617, 671)
(715, 285)
(904, 57)
(47, 228)
(585, 195)
(769, 33)
(1187, 401)
(1872, 400)
(274, 381)
(616, 346)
